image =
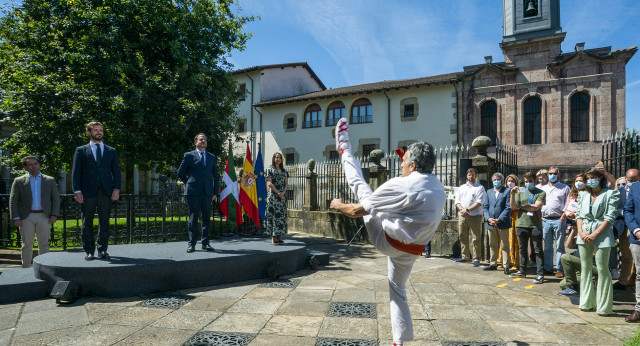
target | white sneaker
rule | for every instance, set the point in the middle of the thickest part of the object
(342, 136)
(615, 274)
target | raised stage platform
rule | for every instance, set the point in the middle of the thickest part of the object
(146, 268)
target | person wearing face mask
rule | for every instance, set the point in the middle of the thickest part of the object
(497, 215)
(529, 203)
(597, 210)
(514, 253)
(553, 221)
(627, 269)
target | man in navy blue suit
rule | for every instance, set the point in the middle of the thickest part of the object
(497, 215)
(199, 172)
(96, 183)
(632, 219)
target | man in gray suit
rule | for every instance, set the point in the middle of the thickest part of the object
(199, 173)
(35, 205)
(96, 183)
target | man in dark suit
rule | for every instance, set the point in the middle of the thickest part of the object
(199, 172)
(497, 215)
(35, 205)
(632, 219)
(96, 182)
(621, 233)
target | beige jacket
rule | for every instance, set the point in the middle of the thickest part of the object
(20, 199)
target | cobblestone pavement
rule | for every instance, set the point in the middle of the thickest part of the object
(450, 302)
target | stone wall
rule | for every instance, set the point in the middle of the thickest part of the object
(335, 225)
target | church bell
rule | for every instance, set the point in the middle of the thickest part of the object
(532, 9)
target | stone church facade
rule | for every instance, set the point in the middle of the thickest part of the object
(555, 107)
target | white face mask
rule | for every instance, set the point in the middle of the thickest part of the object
(511, 184)
(579, 185)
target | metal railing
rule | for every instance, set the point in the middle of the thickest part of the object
(621, 153)
(506, 158)
(331, 182)
(134, 219)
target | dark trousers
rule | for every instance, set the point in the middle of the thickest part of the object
(524, 234)
(197, 205)
(101, 202)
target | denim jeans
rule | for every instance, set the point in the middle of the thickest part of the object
(553, 229)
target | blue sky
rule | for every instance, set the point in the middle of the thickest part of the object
(362, 41)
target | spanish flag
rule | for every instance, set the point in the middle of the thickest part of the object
(229, 193)
(248, 190)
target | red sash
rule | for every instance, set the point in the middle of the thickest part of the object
(413, 249)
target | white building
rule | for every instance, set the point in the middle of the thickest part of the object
(295, 114)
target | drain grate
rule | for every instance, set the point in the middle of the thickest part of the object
(281, 284)
(345, 342)
(169, 302)
(219, 338)
(338, 309)
(472, 343)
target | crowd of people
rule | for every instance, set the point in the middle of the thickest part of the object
(570, 232)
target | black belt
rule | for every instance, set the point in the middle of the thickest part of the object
(37, 211)
(552, 217)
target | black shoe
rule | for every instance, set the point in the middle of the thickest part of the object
(191, 249)
(207, 248)
(507, 271)
(619, 287)
(103, 254)
(89, 257)
(490, 267)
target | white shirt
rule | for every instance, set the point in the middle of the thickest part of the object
(556, 199)
(93, 148)
(468, 194)
(410, 207)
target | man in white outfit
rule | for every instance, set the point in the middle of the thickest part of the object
(401, 216)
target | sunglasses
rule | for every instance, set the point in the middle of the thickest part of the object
(621, 184)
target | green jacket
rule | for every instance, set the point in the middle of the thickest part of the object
(605, 207)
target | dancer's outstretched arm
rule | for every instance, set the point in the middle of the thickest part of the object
(353, 210)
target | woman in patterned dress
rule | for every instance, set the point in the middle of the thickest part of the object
(512, 180)
(276, 213)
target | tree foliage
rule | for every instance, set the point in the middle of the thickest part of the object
(153, 72)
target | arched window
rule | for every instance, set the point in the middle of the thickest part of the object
(489, 120)
(335, 111)
(532, 121)
(580, 117)
(361, 111)
(312, 116)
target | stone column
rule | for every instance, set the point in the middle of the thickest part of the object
(311, 188)
(485, 166)
(378, 174)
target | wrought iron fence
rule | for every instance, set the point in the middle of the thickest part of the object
(621, 152)
(134, 219)
(506, 158)
(331, 182)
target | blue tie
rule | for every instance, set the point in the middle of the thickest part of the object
(98, 154)
(202, 158)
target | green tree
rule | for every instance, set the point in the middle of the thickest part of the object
(153, 72)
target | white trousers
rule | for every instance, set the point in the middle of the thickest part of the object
(36, 224)
(399, 263)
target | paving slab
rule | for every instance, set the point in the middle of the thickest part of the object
(43, 338)
(210, 303)
(581, 334)
(621, 331)
(441, 298)
(279, 340)
(98, 311)
(349, 328)
(293, 325)
(153, 336)
(318, 284)
(451, 312)
(48, 320)
(470, 330)
(230, 291)
(5, 336)
(9, 316)
(524, 332)
(433, 287)
(313, 295)
(97, 334)
(354, 295)
(501, 313)
(135, 316)
(239, 323)
(186, 319)
(303, 308)
(545, 315)
(484, 299)
(261, 306)
(269, 293)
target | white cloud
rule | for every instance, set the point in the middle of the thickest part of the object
(633, 84)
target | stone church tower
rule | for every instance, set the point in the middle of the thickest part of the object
(555, 107)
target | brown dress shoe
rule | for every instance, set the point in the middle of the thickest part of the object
(633, 318)
(559, 274)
